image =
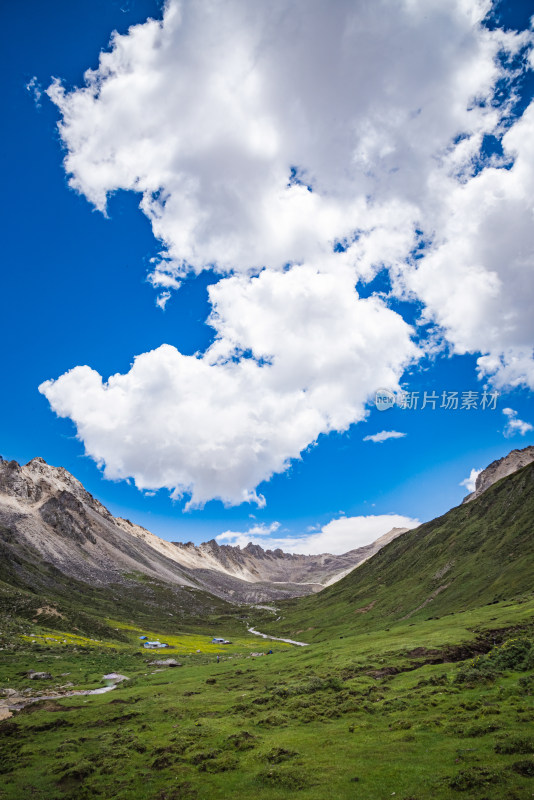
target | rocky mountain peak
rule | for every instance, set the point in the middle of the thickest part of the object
(254, 550)
(37, 481)
(501, 468)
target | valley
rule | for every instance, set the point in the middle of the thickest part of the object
(410, 677)
(420, 710)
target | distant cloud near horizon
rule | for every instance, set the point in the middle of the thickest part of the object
(274, 146)
(383, 436)
(338, 536)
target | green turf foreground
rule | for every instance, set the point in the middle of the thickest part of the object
(428, 710)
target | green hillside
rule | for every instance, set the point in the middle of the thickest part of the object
(418, 682)
(32, 589)
(476, 554)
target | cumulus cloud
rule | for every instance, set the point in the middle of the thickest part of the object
(338, 536)
(514, 424)
(383, 436)
(297, 150)
(471, 480)
(218, 425)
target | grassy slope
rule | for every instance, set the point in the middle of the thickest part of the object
(27, 584)
(372, 708)
(477, 553)
(323, 722)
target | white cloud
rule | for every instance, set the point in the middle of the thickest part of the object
(217, 426)
(515, 425)
(162, 299)
(258, 136)
(476, 280)
(470, 481)
(34, 88)
(383, 436)
(338, 536)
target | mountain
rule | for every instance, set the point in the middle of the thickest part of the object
(479, 553)
(253, 564)
(500, 469)
(48, 521)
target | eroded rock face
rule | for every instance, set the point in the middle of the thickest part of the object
(501, 469)
(13, 481)
(47, 516)
(65, 514)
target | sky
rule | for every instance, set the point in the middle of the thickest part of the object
(267, 269)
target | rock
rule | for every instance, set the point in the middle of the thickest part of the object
(165, 662)
(115, 676)
(516, 459)
(38, 675)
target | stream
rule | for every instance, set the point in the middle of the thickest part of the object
(17, 702)
(276, 638)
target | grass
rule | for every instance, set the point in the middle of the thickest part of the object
(360, 716)
(476, 554)
(418, 681)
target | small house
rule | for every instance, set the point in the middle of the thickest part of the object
(218, 640)
(151, 645)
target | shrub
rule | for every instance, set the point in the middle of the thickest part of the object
(242, 740)
(224, 763)
(480, 729)
(515, 654)
(524, 767)
(279, 754)
(285, 778)
(273, 720)
(515, 744)
(200, 758)
(474, 778)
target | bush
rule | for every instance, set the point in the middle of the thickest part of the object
(524, 768)
(225, 763)
(515, 744)
(242, 740)
(474, 778)
(279, 754)
(480, 729)
(311, 686)
(285, 778)
(526, 684)
(514, 654)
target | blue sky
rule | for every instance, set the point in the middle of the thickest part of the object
(76, 288)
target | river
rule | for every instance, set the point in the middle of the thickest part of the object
(277, 638)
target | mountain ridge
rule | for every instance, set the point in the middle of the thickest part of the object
(500, 468)
(46, 514)
(475, 554)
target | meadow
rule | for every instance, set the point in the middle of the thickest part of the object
(427, 709)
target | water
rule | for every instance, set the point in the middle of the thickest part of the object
(277, 639)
